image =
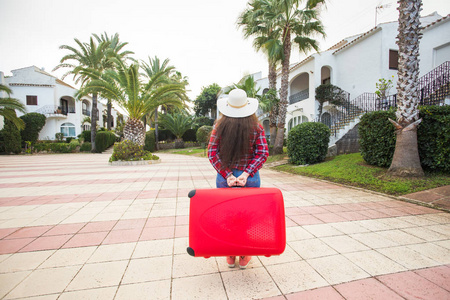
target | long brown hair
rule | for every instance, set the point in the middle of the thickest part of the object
(234, 135)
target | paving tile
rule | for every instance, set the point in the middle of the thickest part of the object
(374, 240)
(344, 244)
(412, 286)
(328, 293)
(297, 233)
(10, 280)
(350, 227)
(312, 248)
(148, 269)
(98, 275)
(185, 265)
(430, 250)
(157, 290)
(65, 229)
(289, 255)
(253, 283)
(12, 246)
(46, 243)
(438, 275)
(123, 236)
(199, 287)
(155, 248)
(337, 269)
(425, 234)
(28, 232)
(68, 257)
(98, 294)
(86, 239)
(408, 258)
(374, 263)
(305, 277)
(98, 226)
(44, 281)
(115, 252)
(157, 233)
(306, 220)
(366, 289)
(4, 232)
(24, 261)
(400, 237)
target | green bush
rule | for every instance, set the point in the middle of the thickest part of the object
(69, 139)
(150, 141)
(308, 143)
(86, 147)
(75, 142)
(55, 147)
(130, 151)
(190, 135)
(86, 135)
(34, 122)
(433, 138)
(377, 138)
(11, 138)
(103, 140)
(59, 136)
(165, 135)
(203, 134)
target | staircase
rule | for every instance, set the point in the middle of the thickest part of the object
(434, 89)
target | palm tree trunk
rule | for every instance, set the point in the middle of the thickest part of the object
(156, 129)
(273, 111)
(278, 149)
(93, 122)
(108, 115)
(406, 161)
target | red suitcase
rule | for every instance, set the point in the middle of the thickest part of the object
(236, 221)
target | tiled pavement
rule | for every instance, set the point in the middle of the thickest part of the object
(73, 227)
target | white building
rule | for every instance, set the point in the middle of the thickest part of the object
(355, 64)
(43, 93)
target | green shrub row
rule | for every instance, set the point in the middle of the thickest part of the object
(86, 147)
(203, 134)
(308, 143)
(55, 147)
(377, 138)
(103, 140)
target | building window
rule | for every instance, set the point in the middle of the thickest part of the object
(326, 80)
(296, 121)
(31, 100)
(393, 60)
(68, 129)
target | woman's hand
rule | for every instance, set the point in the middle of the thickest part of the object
(231, 180)
(242, 179)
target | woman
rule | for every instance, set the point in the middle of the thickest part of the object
(237, 148)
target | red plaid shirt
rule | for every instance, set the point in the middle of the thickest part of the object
(250, 163)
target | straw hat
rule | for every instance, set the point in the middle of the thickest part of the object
(237, 104)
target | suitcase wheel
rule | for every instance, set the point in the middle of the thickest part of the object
(190, 250)
(191, 194)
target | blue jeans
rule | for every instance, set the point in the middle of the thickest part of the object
(254, 181)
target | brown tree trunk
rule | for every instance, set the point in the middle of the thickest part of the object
(108, 115)
(93, 122)
(274, 110)
(406, 161)
(278, 148)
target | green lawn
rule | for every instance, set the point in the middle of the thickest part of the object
(351, 169)
(196, 151)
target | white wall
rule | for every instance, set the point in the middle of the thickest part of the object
(434, 47)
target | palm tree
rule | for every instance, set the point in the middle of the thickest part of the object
(89, 62)
(248, 84)
(125, 86)
(267, 39)
(9, 105)
(114, 50)
(160, 74)
(298, 26)
(178, 124)
(406, 161)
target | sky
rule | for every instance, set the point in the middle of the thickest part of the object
(200, 37)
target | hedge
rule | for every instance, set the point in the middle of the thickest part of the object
(34, 122)
(203, 134)
(103, 140)
(308, 143)
(55, 147)
(10, 138)
(86, 135)
(150, 141)
(190, 135)
(86, 147)
(377, 138)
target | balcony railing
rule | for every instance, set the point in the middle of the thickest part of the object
(297, 97)
(55, 110)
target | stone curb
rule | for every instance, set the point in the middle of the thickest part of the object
(134, 162)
